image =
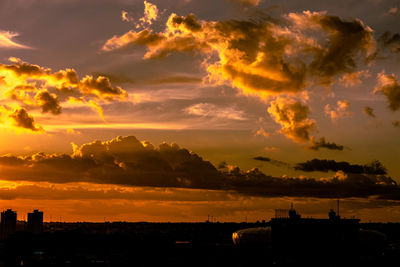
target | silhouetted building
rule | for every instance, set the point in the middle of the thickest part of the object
(35, 222)
(297, 238)
(8, 223)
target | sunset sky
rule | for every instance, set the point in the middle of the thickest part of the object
(172, 110)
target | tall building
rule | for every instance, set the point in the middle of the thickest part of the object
(8, 223)
(35, 222)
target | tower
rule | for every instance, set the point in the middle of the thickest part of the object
(35, 222)
(8, 223)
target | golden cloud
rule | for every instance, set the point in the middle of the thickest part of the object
(34, 87)
(292, 115)
(389, 86)
(264, 58)
(341, 110)
(267, 58)
(6, 41)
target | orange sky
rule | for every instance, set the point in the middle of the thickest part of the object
(173, 110)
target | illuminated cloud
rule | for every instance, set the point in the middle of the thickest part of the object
(369, 112)
(266, 58)
(354, 78)
(263, 58)
(271, 148)
(292, 115)
(341, 110)
(28, 87)
(262, 132)
(321, 143)
(7, 42)
(150, 15)
(389, 86)
(125, 161)
(125, 16)
(393, 10)
(210, 110)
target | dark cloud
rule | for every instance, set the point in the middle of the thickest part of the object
(255, 183)
(48, 102)
(391, 41)
(321, 143)
(271, 161)
(222, 165)
(127, 161)
(369, 112)
(396, 123)
(324, 165)
(345, 40)
(101, 87)
(24, 120)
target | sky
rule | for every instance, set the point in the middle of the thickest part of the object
(175, 110)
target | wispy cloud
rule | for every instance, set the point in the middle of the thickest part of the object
(6, 41)
(211, 110)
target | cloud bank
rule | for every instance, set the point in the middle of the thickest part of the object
(127, 161)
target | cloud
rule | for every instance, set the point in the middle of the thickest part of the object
(126, 161)
(341, 110)
(393, 10)
(271, 161)
(246, 2)
(125, 16)
(354, 78)
(369, 112)
(210, 110)
(7, 42)
(268, 58)
(293, 117)
(321, 143)
(24, 120)
(261, 132)
(323, 165)
(271, 148)
(389, 86)
(29, 87)
(150, 15)
(48, 102)
(262, 58)
(391, 41)
(396, 123)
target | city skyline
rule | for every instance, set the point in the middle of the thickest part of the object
(174, 110)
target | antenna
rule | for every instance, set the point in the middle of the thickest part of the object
(291, 205)
(338, 214)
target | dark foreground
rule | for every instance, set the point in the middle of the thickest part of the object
(174, 244)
